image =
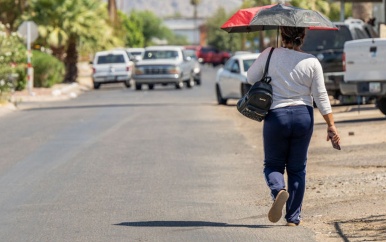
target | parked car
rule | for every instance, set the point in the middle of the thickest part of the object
(136, 52)
(365, 72)
(114, 66)
(196, 67)
(210, 55)
(231, 80)
(328, 45)
(164, 65)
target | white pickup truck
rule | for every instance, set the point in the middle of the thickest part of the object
(365, 70)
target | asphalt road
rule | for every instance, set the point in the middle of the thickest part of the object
(122, 165)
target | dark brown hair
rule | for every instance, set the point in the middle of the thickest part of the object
(292, 36)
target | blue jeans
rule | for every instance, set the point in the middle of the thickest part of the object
(287, 134)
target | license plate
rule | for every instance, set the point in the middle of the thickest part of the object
(374, 87)
(111, 78)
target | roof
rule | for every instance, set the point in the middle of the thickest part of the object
(106, 52)
(164, 47)
(246, 56)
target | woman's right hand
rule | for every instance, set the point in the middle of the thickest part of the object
(332, 134)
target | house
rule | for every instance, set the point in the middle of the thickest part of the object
(192, 29)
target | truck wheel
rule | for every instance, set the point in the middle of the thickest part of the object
(97, 85)
(245, 88)
(127, 83)
(381, 104)
(179, 85)
(191, 82)
(150, 86)
(138, 87)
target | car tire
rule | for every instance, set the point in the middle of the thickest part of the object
(150, 86)
(198, 81)
(245, 88)
(138, 87)
(97, 85)
(220, 99)
(179, 85)
(381, 104)
(190, 83)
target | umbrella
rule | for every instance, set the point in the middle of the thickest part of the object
(270, 17)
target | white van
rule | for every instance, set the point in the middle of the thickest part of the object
(365, 69)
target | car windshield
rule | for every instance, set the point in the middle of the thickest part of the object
(110, 59)
(317, 40)
(247, 63)
(160, 54)
(208, 50)
(136, 53)
(191, 53)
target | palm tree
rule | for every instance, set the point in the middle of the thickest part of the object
(10, 13)
(64, 24)
(112, 7)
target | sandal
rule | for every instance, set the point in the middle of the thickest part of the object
(276, 210)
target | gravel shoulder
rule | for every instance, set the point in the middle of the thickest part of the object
(346, 190)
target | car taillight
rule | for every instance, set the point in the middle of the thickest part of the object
(344, 61)
(93, 70)
(127, 68)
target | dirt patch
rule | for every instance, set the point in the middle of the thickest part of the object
(346, 190)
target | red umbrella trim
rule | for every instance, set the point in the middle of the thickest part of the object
(244, 16)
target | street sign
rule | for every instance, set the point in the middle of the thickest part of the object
(29, 30)
(33, 28)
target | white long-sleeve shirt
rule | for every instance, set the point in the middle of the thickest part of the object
(297, 78)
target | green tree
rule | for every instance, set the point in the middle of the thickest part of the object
(318, 5)
(326, 7)
(218, 37)
(152, 27)
(132, 27)
(10, 13)
(65, 24)
(262, 2)
(12, 63)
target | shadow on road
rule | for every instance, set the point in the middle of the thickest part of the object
(362, 120)
(373, 228)
(118, 106)
(187, 224)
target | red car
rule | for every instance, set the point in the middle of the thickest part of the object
(210, 55)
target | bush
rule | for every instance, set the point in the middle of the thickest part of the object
(48, 70)
(12, 63)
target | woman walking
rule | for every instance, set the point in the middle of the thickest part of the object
(297, 81)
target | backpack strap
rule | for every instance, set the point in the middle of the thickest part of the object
(266, 78)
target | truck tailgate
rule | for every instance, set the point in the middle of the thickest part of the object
(365, 60)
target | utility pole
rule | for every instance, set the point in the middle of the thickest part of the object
(342, 10)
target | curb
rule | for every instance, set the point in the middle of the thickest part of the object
(58, 92)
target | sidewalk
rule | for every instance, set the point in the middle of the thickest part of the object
(58, 92)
